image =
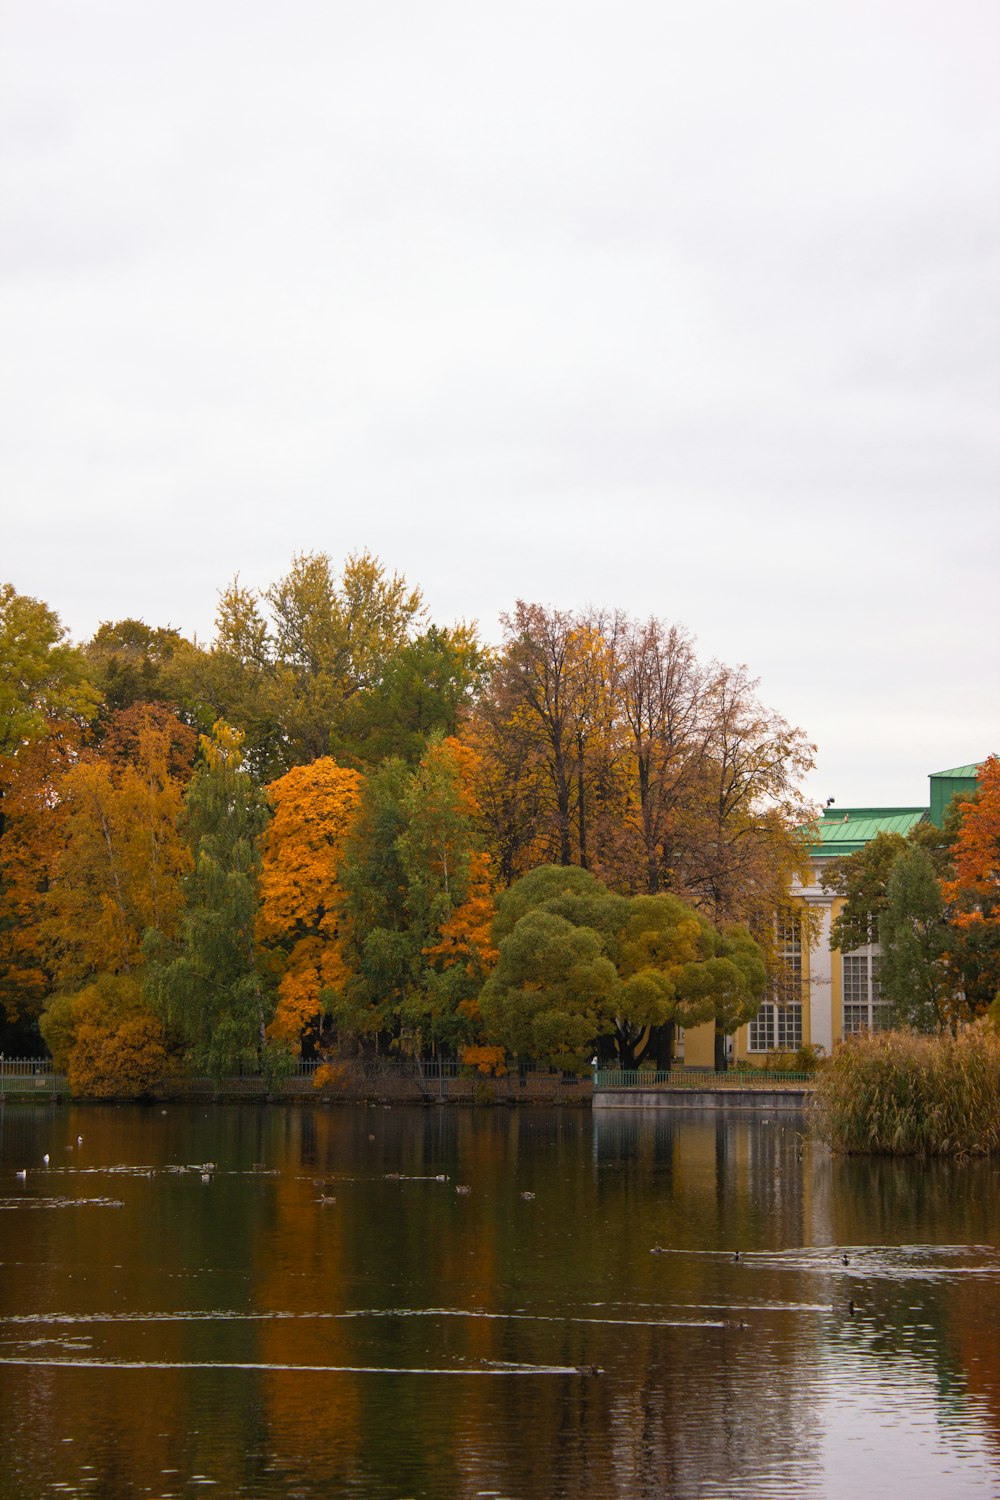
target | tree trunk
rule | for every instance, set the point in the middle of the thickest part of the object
(720, 1049)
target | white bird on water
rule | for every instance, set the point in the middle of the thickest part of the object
(22, 1175)
(45, 1159)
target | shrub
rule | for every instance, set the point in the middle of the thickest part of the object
(333, 1076)
(122, 1060)
(898, 1093)
(490, 1061)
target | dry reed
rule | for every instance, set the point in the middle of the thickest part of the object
(901, 1094)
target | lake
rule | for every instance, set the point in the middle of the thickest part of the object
(388, 1302)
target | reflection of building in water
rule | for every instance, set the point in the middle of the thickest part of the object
(821, 994)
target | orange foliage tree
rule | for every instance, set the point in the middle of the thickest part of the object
(972, 893)
(29, 796)
(114, 877)
(121, 854)
(300, 921)
(974, 888)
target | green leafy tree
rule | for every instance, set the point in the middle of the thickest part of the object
(379, 952)
(862, 879)
(913, 973)
(332, 640)
(131, 662)
(42, 676)
(424, 688)
(418, 903)
(552, 992)
(210, 993)
(669, 964)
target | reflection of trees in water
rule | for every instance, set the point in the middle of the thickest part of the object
(680, 1408)
(578, 1251)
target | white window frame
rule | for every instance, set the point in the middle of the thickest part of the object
(777, 1026)
(862, 1008)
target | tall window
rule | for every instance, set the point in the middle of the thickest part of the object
(864, 1009)
(778, 1023)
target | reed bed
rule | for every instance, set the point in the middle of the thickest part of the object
(902, 1094)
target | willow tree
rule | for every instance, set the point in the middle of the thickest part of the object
(580, 967)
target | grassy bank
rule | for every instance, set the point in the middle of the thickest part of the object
(902, 1094)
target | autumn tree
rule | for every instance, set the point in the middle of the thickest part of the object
(29, 849)
(121, 854)
(974, 885)
(605, 743)
(743, 844)
(114, 878)
(300, 925)
(289, 662)
(207, 988)
(105, 1039)
(664, 698)
(549, 720)
(971, 889)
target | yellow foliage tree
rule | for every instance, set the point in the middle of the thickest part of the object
(121, 855)
(105, 1039)
(300, 922)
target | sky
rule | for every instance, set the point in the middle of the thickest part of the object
(686, 309)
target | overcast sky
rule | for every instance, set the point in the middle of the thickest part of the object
(691, 309)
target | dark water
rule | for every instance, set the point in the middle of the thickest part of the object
(169, 1328)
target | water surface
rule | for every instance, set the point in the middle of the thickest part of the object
(445, 1302)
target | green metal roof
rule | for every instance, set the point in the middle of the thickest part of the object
(961, 781)
(842, 830)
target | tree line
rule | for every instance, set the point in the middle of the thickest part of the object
(341, 824)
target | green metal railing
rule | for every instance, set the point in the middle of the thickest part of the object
(734, 1078)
